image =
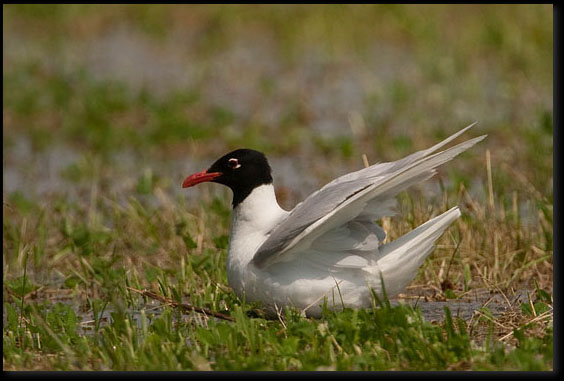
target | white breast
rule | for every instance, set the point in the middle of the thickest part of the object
(251, 223)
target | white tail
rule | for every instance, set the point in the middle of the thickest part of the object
(399, 260)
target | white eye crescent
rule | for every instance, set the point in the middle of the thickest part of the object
(233, 163)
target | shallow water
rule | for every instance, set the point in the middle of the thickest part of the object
(39, 175)
(464, 307)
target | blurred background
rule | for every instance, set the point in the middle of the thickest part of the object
(137, 97)
(107, 109)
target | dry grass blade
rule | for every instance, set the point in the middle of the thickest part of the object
(184, 306)
(490, 182)
(546, 317)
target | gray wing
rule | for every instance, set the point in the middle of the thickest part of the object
(358, 196)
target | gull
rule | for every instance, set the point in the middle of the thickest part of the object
(328, 251)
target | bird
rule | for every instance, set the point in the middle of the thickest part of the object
(328, 251)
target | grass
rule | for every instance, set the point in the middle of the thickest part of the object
(93, 160)
(163, 249)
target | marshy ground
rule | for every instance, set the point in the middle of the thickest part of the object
(108, 107)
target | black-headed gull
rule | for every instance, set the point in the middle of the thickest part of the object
(328, 249)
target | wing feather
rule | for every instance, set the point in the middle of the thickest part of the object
(359, 196)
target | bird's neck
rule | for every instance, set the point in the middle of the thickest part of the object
(259, 211)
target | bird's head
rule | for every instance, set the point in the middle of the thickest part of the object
(241, 170)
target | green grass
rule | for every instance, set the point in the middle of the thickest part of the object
(384, 338)
(161, 249)
(95, 211)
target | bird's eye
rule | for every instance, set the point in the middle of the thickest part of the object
(233, 163)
